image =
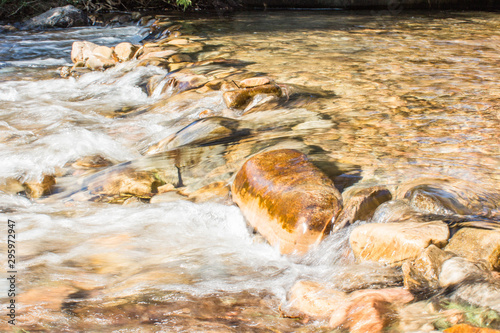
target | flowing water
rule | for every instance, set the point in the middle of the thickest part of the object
(383, 99)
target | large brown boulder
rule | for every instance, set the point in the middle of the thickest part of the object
(286, 199)
(392, 243)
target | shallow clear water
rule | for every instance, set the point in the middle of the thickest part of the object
(394, 98)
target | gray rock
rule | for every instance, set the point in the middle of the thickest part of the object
(458, 270)
(60, 17)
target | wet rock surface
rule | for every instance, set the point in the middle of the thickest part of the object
(392, 243)
(60, 17)
(288, 200)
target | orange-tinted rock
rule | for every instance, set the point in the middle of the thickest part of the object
(391, 243)
(38, 189)
(125, 51)
(369, 310)
(361, 205)
(475, 244)
(314, 300)
(464, 328)
(239, 98)
(369, 313)
(254, 82)
(286, 199)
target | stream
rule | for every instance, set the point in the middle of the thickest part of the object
(374, 99)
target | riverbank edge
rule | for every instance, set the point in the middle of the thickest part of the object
(21, 14)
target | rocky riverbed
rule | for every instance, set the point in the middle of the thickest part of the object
(262, 172)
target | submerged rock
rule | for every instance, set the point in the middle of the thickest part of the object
(60, 17)
(457, 270)
(254, 82)
(314, 300)
(477, 244)
(369, 310)
(360, 204)
(38, 189)
(392, 243)
(200, 131)
(240, 98)
(127, 182)
(421, 275)
(286, 199)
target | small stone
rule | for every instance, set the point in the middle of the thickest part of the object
(164, 54)
(159, 62)
(167, 197)
(465, 328)
(81, 51)
(90, 162)
(422, 274)
(96, 62)
(239, 98)
(286, 199)
(215, 192)
(37, 189)
(477, 244)
(369, 310)
(137, 183)
(125, 51)
(361, 204)
(165, 188)
(180, 57)
(178, 41)
(254, 82)
(392, 243)
(457, 270)
(104, 52)
(314, 300)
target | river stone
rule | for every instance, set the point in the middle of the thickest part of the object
(137, 183)
(360, 204)
(60, 17)
(475, 244)
(180, 57)
(482, 294)
(254, 82)
(421, 275)
(159, 62)
(218, 192)
(125, 51)
(369, 310)
(457, 270)
(239, 98)
(104, 52)
(434, 200)
(395, 211)
(96, 62)
(81, 51)
(465, 328)
(90, 162)
(286, 199)
(391, 243)
(37, 189)
(163, 54)
(314, 300)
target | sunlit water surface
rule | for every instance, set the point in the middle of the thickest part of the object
(404, 96)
